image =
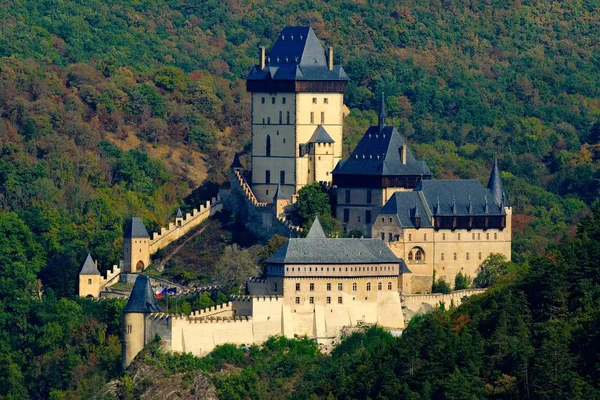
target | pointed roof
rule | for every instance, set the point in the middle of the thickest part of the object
(236, 164)
(179, 213)
(382, 113)
(297, 54)
(379, 154)
(316, 230)
(279, 193)
(407, 206)
(495, 185)
(135, 229)
(141, 299)
(89, 267)
(321, 136)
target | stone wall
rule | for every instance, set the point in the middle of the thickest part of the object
(421, 303)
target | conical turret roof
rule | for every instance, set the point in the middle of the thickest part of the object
(142, 298)
(135, 229)
(316, 230)
(279, 193)
(179, 213)
(89, 267)
(495, 185)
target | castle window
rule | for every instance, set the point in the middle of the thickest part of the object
(358, 218)
(272, 100)
(410, 237)
(275, 286)
(495, 236)
(280, 117)
(262, 100)
(311, 300)
(312, 117)
(382, 219)
(312, 287)
(322, 117)
(379, 286)
(459, 236)
(443, 236)
(89, 281)
(326, 100)
(389, 285)
(282, 177)
(389, 236)
(467, 256)
(297, 285)
(328, 300)
(340, 286)
(297, 300)
(288, 117)
(382, 236)
(368, 286)
(267, 176)
(354, 287)
(473, 235)
(419, 255)
(283, 100)
(479, 255)
(454, 256)
(369, 196)
(346, 215)
(329, 286)
(487, 236)
(347, 196)
(339, 300)
(390, 220)
(410, 256)
(425, 237)
(314, 100)
(368, 216)
(442, 256)
(269, 120)
(268, 146)
(283, 140)
(479, 236)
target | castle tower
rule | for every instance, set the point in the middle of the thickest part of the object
(136, 244)
(89, 279)
(179, 217)
(280, 202)
(496, 188)
(141, 302)
(295, 89)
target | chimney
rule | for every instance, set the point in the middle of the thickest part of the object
(330, 59)
(262, 59)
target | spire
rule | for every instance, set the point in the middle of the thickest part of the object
(495, 185)
(142, 298)
(89, 267)
(382, 114)
(279, 194)
(236, 164)
(316, 230)
(179, 213)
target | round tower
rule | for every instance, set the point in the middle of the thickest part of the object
(141, 303)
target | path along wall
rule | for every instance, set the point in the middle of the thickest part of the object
(181, 226)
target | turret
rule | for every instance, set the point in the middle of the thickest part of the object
(496, 187)
(136, 244)
(141, 302)
(89, 279)
(179, 217)
(280, 202)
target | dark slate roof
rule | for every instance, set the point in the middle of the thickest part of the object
(378, 153)
(321, 136)
(318, 250)
(453, 197)
(279, 194)
(89, 267)
(297, 55)
(179, 213)
(407, 206)
(135, 229)
(236, 164)
(404, 268)
(316, 230)
(496, 187)
(142, 298)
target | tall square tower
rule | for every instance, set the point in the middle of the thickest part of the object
(297, 114)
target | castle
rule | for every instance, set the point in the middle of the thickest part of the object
(411, 225)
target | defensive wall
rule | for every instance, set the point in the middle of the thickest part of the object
(413, 304)
(260, 218)
(183, 225)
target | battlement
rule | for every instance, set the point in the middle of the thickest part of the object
(221, 308)
(247, 190)
(289, 225)
(256, 280)
(111, 277)
(181, 226)
(259, 297)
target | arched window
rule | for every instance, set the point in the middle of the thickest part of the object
(389, 285)
(368, 286)
(416, 254)
(268, 146)
(410, 256)
(379, 286)
(354, 287)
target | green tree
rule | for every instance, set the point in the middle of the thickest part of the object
(462, 281)
(312, 201)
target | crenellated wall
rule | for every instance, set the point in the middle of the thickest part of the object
(181, 226)
(421, 303)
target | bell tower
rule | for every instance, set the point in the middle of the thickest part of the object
(297, 97)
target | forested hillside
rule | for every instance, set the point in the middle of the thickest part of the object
(116, 108)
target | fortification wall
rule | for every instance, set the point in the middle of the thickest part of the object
(222, 310)
(181, 226)
(421, 303)
(112, 277)
(260, 217)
